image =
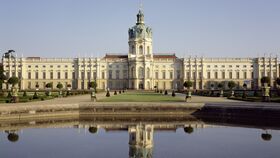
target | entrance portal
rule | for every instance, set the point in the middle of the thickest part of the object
(141, 86)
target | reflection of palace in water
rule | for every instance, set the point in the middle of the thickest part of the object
(140, 129)
(141, 141)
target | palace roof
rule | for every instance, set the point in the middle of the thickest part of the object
(173, 56)
(115, 56)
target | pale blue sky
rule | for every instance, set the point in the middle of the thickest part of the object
(213, 28)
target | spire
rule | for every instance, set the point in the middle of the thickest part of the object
(140, 15)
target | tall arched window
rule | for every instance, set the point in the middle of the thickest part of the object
(141, 51)
(132, 49)
(132, 72)
(148, 72)
(148, 50)
(141, 72)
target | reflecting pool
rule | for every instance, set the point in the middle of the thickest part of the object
(136, 138)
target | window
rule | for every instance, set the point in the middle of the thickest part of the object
(51, 75)
(237, 66)
(73, 75)
(51, 66)
(216, 66)
(29, 66)
(208, 75)
(163, 75)
(156, 75)
(148, 50)
(208, 66)
(223, 66)
(141, 51)
(187, 75)
(14, 74)
(29, 75)
(194, 75)
(252, 75)
(19, 75)
(103, 75)
(125, 74)
(244, 66)
(58, 66)
(216, 75)
(110, 74)
(36, 75)
(245, 75)
(44, 66)
(200, 75)
(66, 75)
(36, 66)
(230, 66)
(237, 75)
(171, 74)
(44, 75)
(58, 75)
(83, 75)
(118, 74)
(230, 75)
(88, 75)
(94, 75)
(148, 72)
(141, 72)
(66, 66)
(29, 85)
(223, 75)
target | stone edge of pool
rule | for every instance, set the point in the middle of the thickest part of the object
(137, 108)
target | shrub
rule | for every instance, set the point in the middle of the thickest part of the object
(265, 79)
(24, 94)
(188, 84)
(173, 93)
(165, 92)
(120, 92)
(35, 96)
(231, 85)
(13, 81)
(42, 98)
(108, 94)
(59, 86)
(67, 93)
(9, 95)
(115, 93)
(160, 91)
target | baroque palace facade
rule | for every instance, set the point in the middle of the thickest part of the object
(140, 68)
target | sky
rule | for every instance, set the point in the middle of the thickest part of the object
(71, 28)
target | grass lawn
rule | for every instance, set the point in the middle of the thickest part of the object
(141, 97)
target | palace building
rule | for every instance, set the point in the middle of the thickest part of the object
(140, 68)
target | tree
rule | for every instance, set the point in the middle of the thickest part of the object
(278, 81)
(93, 85)
(49, 85)
(92, 130)
(13, 81)
(220, 85)
(59, 86)
(188, 84)
(188, 130)
(231, 85)
(13, 137)
(265, 80)
(266, 136)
